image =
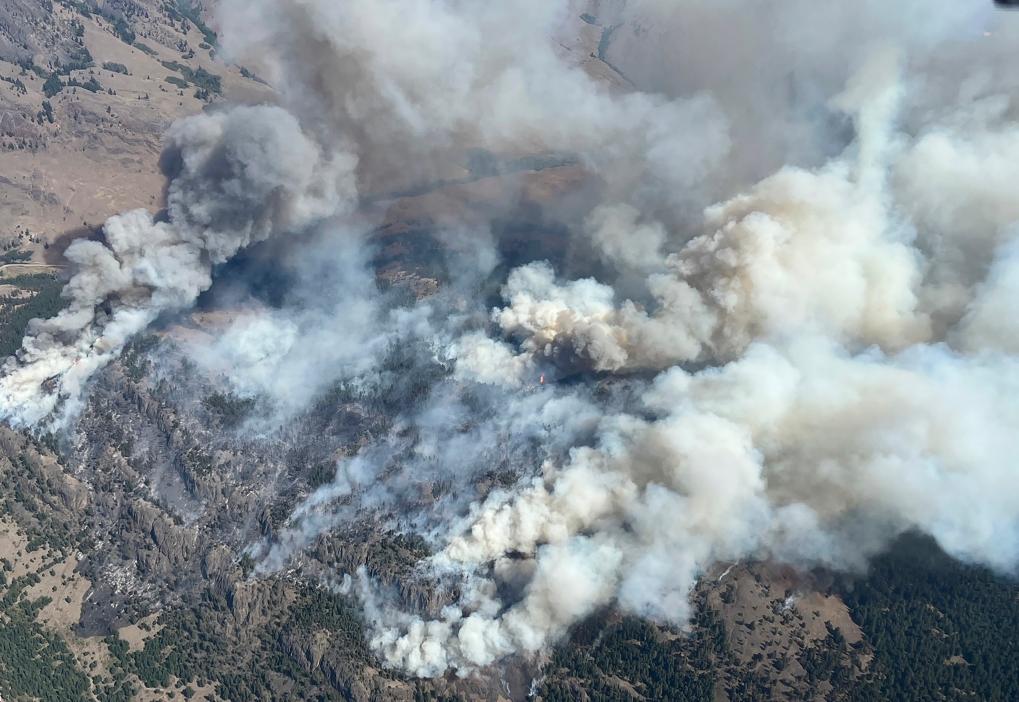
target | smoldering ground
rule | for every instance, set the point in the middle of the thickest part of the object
(782, 328)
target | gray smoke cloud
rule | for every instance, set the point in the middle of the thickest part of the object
(803, 251)
(833, 415)
(847, 311)
(415, 82)
(783, 331)
(236, 177)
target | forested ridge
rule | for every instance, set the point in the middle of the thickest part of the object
(940, 629)
(41, 299)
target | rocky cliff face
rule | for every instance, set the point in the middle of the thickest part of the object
(162, 498)
(161, 492)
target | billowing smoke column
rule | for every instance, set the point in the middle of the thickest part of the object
(802, 252)
(236, 177)
(801, 277)
(848, 397)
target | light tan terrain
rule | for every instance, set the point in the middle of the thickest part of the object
(773, 616)
(67, 590)
(98, 152)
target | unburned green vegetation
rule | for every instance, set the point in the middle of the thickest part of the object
(628, 659)
(37, 296)
(35, 663)
(940, 629)
(197, 76)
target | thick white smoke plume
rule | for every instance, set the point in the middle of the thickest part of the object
(803, 251)
(237, 177)
(834, 413)
(783, 328)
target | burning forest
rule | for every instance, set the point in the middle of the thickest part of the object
(579, 299)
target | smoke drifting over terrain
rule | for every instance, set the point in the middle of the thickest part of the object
(786, 332)
(235, 178)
